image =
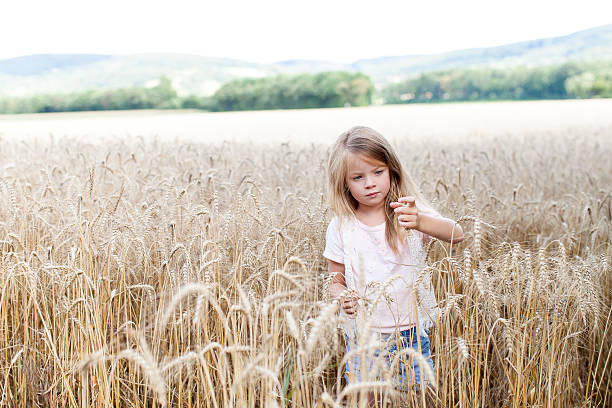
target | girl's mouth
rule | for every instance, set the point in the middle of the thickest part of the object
(373, 194)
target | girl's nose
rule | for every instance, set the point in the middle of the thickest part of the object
(369, 182)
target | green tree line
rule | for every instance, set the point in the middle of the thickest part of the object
(569, 80)
(161, 96)
(323, 90)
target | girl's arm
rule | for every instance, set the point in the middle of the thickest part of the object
(411, 218)
(338, 285)
(441, 228)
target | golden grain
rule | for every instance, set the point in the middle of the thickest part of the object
(199, 270)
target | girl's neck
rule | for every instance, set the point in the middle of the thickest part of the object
(370, 216)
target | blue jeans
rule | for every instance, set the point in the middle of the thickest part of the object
(406, 370)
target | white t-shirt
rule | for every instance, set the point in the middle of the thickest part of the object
(373, 261)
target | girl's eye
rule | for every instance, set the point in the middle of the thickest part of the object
(356, 177)
(379, 171)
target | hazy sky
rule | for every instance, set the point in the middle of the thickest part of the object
(273, 30)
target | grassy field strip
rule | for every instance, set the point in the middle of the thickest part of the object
(455, 123)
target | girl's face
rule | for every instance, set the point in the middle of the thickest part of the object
(368, 180)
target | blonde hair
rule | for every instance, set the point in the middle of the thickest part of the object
(367, 141)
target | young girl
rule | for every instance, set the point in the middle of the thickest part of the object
(374, 245)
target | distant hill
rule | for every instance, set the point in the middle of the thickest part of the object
(34, 74)
(591, 44)
(38, 64)
(189, 74)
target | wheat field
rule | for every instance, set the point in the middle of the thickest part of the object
(148, 273)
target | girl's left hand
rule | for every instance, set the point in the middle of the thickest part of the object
(408, 215)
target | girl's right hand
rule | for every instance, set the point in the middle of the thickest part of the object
(349, 305)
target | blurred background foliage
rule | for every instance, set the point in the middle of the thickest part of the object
(568, 80)
(322, 90)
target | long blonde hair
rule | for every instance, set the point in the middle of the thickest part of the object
(367, 141)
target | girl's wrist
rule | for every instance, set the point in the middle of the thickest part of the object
(419, 221)
(336, 290)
